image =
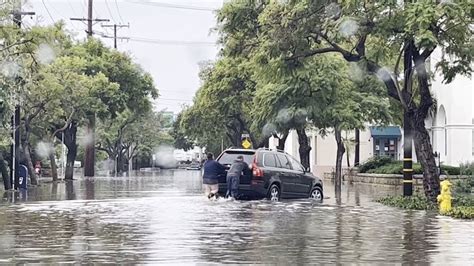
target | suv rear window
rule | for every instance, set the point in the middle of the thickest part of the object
(228, 157)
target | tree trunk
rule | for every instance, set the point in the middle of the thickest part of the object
(89, 154)
(26, 151)
(54, 168)
(357, 148)
(423, 148)
(29, 163)
(70, 134)
(339, 156)
(424, 154)
(304, 147)
(70, 159)
(282, 140)
(348, 160)
(4, 172)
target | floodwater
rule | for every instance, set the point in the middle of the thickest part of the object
(164, 218)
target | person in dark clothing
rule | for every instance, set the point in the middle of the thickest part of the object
(233, 176)
(210, 178)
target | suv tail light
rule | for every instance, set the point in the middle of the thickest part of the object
(257, 173)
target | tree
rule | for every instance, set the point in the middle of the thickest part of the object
(78, 94)
(320, 91)
(180, 140)
(135, 88)
(375, 34)
(224, 99)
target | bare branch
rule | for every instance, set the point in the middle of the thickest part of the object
(312, 53)
(68, 121)
(15, 44)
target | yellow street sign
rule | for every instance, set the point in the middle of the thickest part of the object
(246, 144)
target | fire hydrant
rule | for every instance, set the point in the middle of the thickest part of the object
(444, 198)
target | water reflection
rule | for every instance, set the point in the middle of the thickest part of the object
(70, 192)
(163, 217)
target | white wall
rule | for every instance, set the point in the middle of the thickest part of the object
(457, 101)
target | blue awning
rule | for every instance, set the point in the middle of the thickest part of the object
(385, 132)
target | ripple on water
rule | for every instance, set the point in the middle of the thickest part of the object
(146, 220)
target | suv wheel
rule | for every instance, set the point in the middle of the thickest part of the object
(274, 193)
(316, 194)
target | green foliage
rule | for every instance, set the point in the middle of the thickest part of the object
(467, 169)
(180, 139)
(465, 185)
(374, 162)
(61, 82)
(386, 165)
(415, 202)
(463, 212)
(450, 170)
(463, 200)
(463, 206)
(221, 106)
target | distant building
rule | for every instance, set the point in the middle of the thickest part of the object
(194, 155)
(451, 131)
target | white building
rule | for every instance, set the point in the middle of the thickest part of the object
(451, 131)
(196, 154)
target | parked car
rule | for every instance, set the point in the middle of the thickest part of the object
(194, 166)
(275, 175)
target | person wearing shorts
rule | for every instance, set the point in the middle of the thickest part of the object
(210, 178)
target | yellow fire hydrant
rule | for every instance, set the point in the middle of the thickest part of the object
(444, 198)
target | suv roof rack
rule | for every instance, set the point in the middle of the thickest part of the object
(268, 149)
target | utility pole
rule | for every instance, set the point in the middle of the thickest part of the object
(14, 164)
(89, 158)
(407, 128)
(90, 20)
(115, 26)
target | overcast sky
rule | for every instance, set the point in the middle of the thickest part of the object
(168, 37)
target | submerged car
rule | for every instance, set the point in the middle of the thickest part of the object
(274, 175)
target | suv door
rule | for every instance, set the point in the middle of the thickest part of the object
(271, 167)
(303, 181)
(287, 177)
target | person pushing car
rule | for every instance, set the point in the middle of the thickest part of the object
(233, 176)
(210, 178)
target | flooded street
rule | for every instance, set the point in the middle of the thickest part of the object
(164, 218)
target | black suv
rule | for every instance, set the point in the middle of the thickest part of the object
(273, 175)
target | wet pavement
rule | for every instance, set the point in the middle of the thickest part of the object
(164, 218)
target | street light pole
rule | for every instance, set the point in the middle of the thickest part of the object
(14, 167)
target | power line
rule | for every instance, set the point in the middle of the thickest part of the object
(118, 11)
(110, 12)
(47, 10)
(72, 8)
(172, 42)
(167, 5)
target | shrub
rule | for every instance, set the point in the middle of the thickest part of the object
(374, 162)
(415, 202)
(467, 169)
(395, 167)
(463, 200)
(386, 165)
(463, 205)
(462, 212)
(450, 170)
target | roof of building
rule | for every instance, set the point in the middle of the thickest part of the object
(389, 131)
